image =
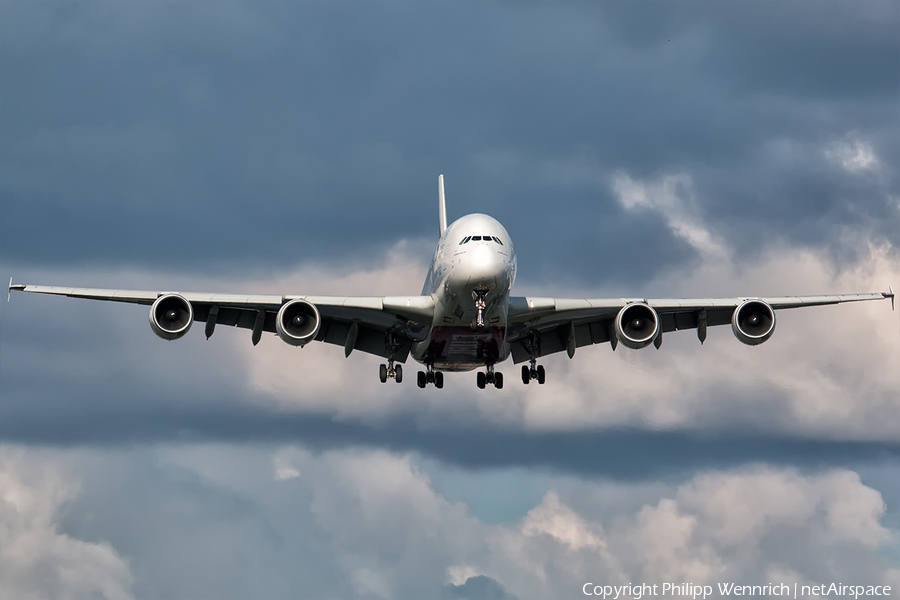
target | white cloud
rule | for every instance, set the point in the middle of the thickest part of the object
(392, 531)
(363, 523)
(458, 574)
(853, 154)
(674, 197)
(36, 560)
(553, 518)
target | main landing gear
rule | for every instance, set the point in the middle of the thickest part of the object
(390, 371)
(533, 372)
(483, 379)
(430, 376)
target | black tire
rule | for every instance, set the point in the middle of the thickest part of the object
(481, 379)
(421, 379)
(398, 374)
(438, 380)
(498, 381)
(526, 375)
(382, 373)
(541, 374)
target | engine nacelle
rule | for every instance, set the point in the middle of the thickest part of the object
(171, 316)
(298, 322)
(637, 325)
(753, 322)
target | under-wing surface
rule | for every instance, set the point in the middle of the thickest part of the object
(465, 317)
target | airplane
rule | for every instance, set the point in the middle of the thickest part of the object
(465, 317)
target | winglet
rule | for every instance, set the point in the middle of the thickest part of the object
(12, 287)
(442, 208)
(890, 295)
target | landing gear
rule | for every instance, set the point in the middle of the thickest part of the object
(480, 307)
(482, 379)
(423, 378)
(535, 371)
(390, 371)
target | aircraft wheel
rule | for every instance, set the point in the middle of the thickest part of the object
(382, 373)
(541, 374)
(421, 379)
(438, 380)
(480, 379)
(398, 374)
(526, 375)
(498, 381)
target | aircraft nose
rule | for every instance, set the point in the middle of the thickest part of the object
(485, 267)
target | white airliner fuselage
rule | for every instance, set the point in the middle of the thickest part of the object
(473, 269)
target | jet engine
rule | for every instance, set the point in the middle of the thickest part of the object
(637, 325)
(753, 322)
(171, 316)
(298, 322)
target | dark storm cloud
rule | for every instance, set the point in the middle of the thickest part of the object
(157, 134)
(233, 141)
(617, 452)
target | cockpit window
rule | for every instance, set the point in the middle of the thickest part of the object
(480, 238)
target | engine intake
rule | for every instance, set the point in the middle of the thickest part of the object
(637, 325)
(753, 322)
(298, 322)
(171, 316)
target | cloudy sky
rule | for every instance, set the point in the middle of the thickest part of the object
(639, 149)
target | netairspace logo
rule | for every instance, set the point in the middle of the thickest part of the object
(702, 592)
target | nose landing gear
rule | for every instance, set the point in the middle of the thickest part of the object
(430, 376)
(480, 307)
(490, 377)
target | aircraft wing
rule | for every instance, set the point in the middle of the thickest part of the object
(405, 319)
(550, 325)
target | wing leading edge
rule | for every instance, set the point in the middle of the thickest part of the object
(543, 326)
(379, 321)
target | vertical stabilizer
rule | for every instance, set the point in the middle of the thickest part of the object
(442, 208)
